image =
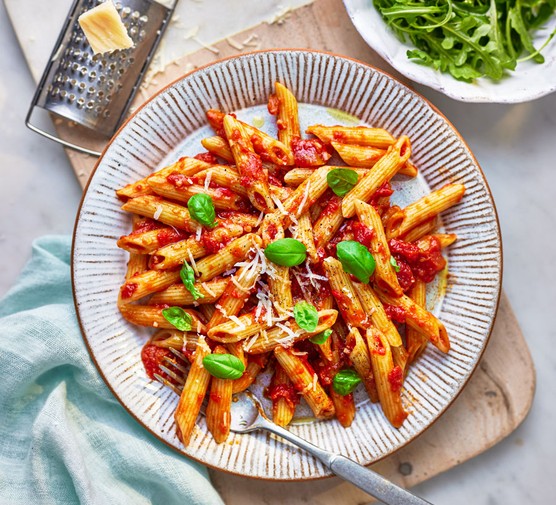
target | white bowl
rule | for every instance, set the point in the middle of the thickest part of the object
(529, 81)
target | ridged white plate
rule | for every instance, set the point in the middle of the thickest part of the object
(527, 82)
(172, 124)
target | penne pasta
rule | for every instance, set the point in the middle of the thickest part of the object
(384, 276)
(209, 278)
(367, 157)
(286, 113)
(162, 210)
(359, 356)
(382, 172)
(388, 376)
(304, 381)
(193, 393)
(428, 207)
(372, 306)
(344, 293)
(174, 255)
(219, 405)
(145, 315)
(286, 334)
(235, 295)
(416, 341)
(178, 294)
(359, 135)
(254, 366)
(420, 319)
(284, 397)
(219, 147)
(144, 284)
(253, 176)
(216, 264)
(185, 166)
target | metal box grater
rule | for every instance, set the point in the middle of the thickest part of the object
(95, 91)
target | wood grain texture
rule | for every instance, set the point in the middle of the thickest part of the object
(500, 393)
(323, 25)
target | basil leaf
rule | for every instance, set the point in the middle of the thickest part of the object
(341, 180)
(321, 338)
(224, 366)
(306, 316)
(178, 317)
(356, 259)
(394, 263)
(187, 275)
(202, 210)
(345, 381)
(286, 252)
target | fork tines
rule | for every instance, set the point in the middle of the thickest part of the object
(168, 367)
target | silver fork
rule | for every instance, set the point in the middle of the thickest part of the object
(248, 415)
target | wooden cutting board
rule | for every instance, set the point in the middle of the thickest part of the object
(500, 393)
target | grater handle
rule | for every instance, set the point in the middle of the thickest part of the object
(50, 136)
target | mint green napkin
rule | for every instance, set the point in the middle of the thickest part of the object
(64, 439)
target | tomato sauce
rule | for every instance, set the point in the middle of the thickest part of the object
(405, 275)
(152, 357)
(178, 180)
(395, 379)
(285, 391)
(309, 152)
(145, 226)
(425, 259)
(216, 121)
(168, 235)
(251, 170)
(211, 244)
(207, 158)
(128, 289)
(362, 234)
(377, 347)
(395, 312)
(273, 104)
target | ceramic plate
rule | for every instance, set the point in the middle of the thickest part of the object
(170, 125)
(528, 82)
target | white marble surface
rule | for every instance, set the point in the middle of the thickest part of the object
(514, 144)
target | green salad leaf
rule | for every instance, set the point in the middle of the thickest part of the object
(469, 38)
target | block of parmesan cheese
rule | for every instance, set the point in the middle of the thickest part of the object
(104, 28)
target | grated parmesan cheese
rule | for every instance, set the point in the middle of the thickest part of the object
(305, 197)
(260, 219)
(158, 212)
(239, 286)
(238, 321)
(207, 289)
(251, 342)
(198, 233)
(234, 43)
(192, 261)
(212, 49)
(208, 179)
(252, 41)
(221, 309)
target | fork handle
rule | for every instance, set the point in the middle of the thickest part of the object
(360, 476)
